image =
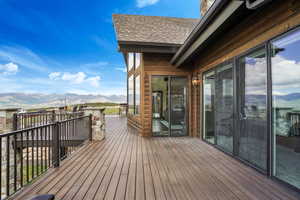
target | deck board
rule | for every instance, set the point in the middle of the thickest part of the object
(127, 166)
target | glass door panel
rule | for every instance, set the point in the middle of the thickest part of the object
(224, 107)
(160, 106)
(253, 108)
(208, 107)
(286, 107)
(178, 106)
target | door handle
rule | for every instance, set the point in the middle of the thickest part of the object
(243, 115)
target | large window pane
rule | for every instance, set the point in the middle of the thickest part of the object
(224, 107)
(208, 107)
(178, 106)
(138, 57)
(130, 61)
(137, 94)
(160, 105)
(131, 95)
(253, 108)
(286, 107)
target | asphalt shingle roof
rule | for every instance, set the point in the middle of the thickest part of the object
(153, 29)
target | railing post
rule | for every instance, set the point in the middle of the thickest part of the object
(15, 122)
(56, 145)
(90, 127)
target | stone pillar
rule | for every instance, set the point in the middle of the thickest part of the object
(6, 125)
(98, 122)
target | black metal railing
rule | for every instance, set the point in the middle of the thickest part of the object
(33, 119)
(28, 153)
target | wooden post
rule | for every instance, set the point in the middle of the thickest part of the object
(91, 127)
(55, 145)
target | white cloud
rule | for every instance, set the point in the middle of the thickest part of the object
(94, 81)
(9, 69)
(144, 3)
(23, 56)
(75, 78)
(123, 69)
(54, 75)
(95, 65)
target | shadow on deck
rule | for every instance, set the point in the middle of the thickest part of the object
(126, 166)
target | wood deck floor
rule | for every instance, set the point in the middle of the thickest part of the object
(126, 166)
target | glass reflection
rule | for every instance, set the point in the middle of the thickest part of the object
(131, 95)
(253, 108)
(224, 107)
(286, 107)
(208, 107)
(160, 111)
(137, 94)
(178, 106)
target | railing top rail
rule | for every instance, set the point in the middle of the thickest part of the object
(40, 126)
(81, 117)
(25, 130)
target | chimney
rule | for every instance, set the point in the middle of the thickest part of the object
(205, 5)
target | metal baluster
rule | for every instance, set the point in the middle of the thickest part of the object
(15, 162)
(37, 151)
(32, 154)
(49, 145)
(27, 156)
(7, 165)
(21, 157)
(0, 167)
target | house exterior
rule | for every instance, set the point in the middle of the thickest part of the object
(230, 78)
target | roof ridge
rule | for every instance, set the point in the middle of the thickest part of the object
(166, 17)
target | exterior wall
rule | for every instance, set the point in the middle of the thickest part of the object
(277, 18)
(158, 64)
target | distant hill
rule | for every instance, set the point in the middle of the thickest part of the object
(37, 100)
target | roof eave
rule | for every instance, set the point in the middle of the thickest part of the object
(147, 47)
(213, 19)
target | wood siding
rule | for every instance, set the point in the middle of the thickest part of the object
(262, 25)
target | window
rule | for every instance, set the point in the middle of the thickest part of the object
(131, 95)
(137, 60)
(137, 94)
(285, 63)
(130, 61)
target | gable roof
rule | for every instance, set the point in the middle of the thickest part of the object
(140, 29)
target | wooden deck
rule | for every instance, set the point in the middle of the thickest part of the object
(126, 166)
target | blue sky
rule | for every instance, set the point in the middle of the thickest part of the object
(59, 46)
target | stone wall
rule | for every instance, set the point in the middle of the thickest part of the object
(98, 122)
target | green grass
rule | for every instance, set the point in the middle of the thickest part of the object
(111, 111)
(40, 168)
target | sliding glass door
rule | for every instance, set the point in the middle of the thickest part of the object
(209, 107)
(160, 106)
(224, 107)
(253, 135)
(178, 106)
(169, 106)
(256, 120)
(285, 62)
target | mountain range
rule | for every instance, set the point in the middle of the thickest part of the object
(37, 100)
